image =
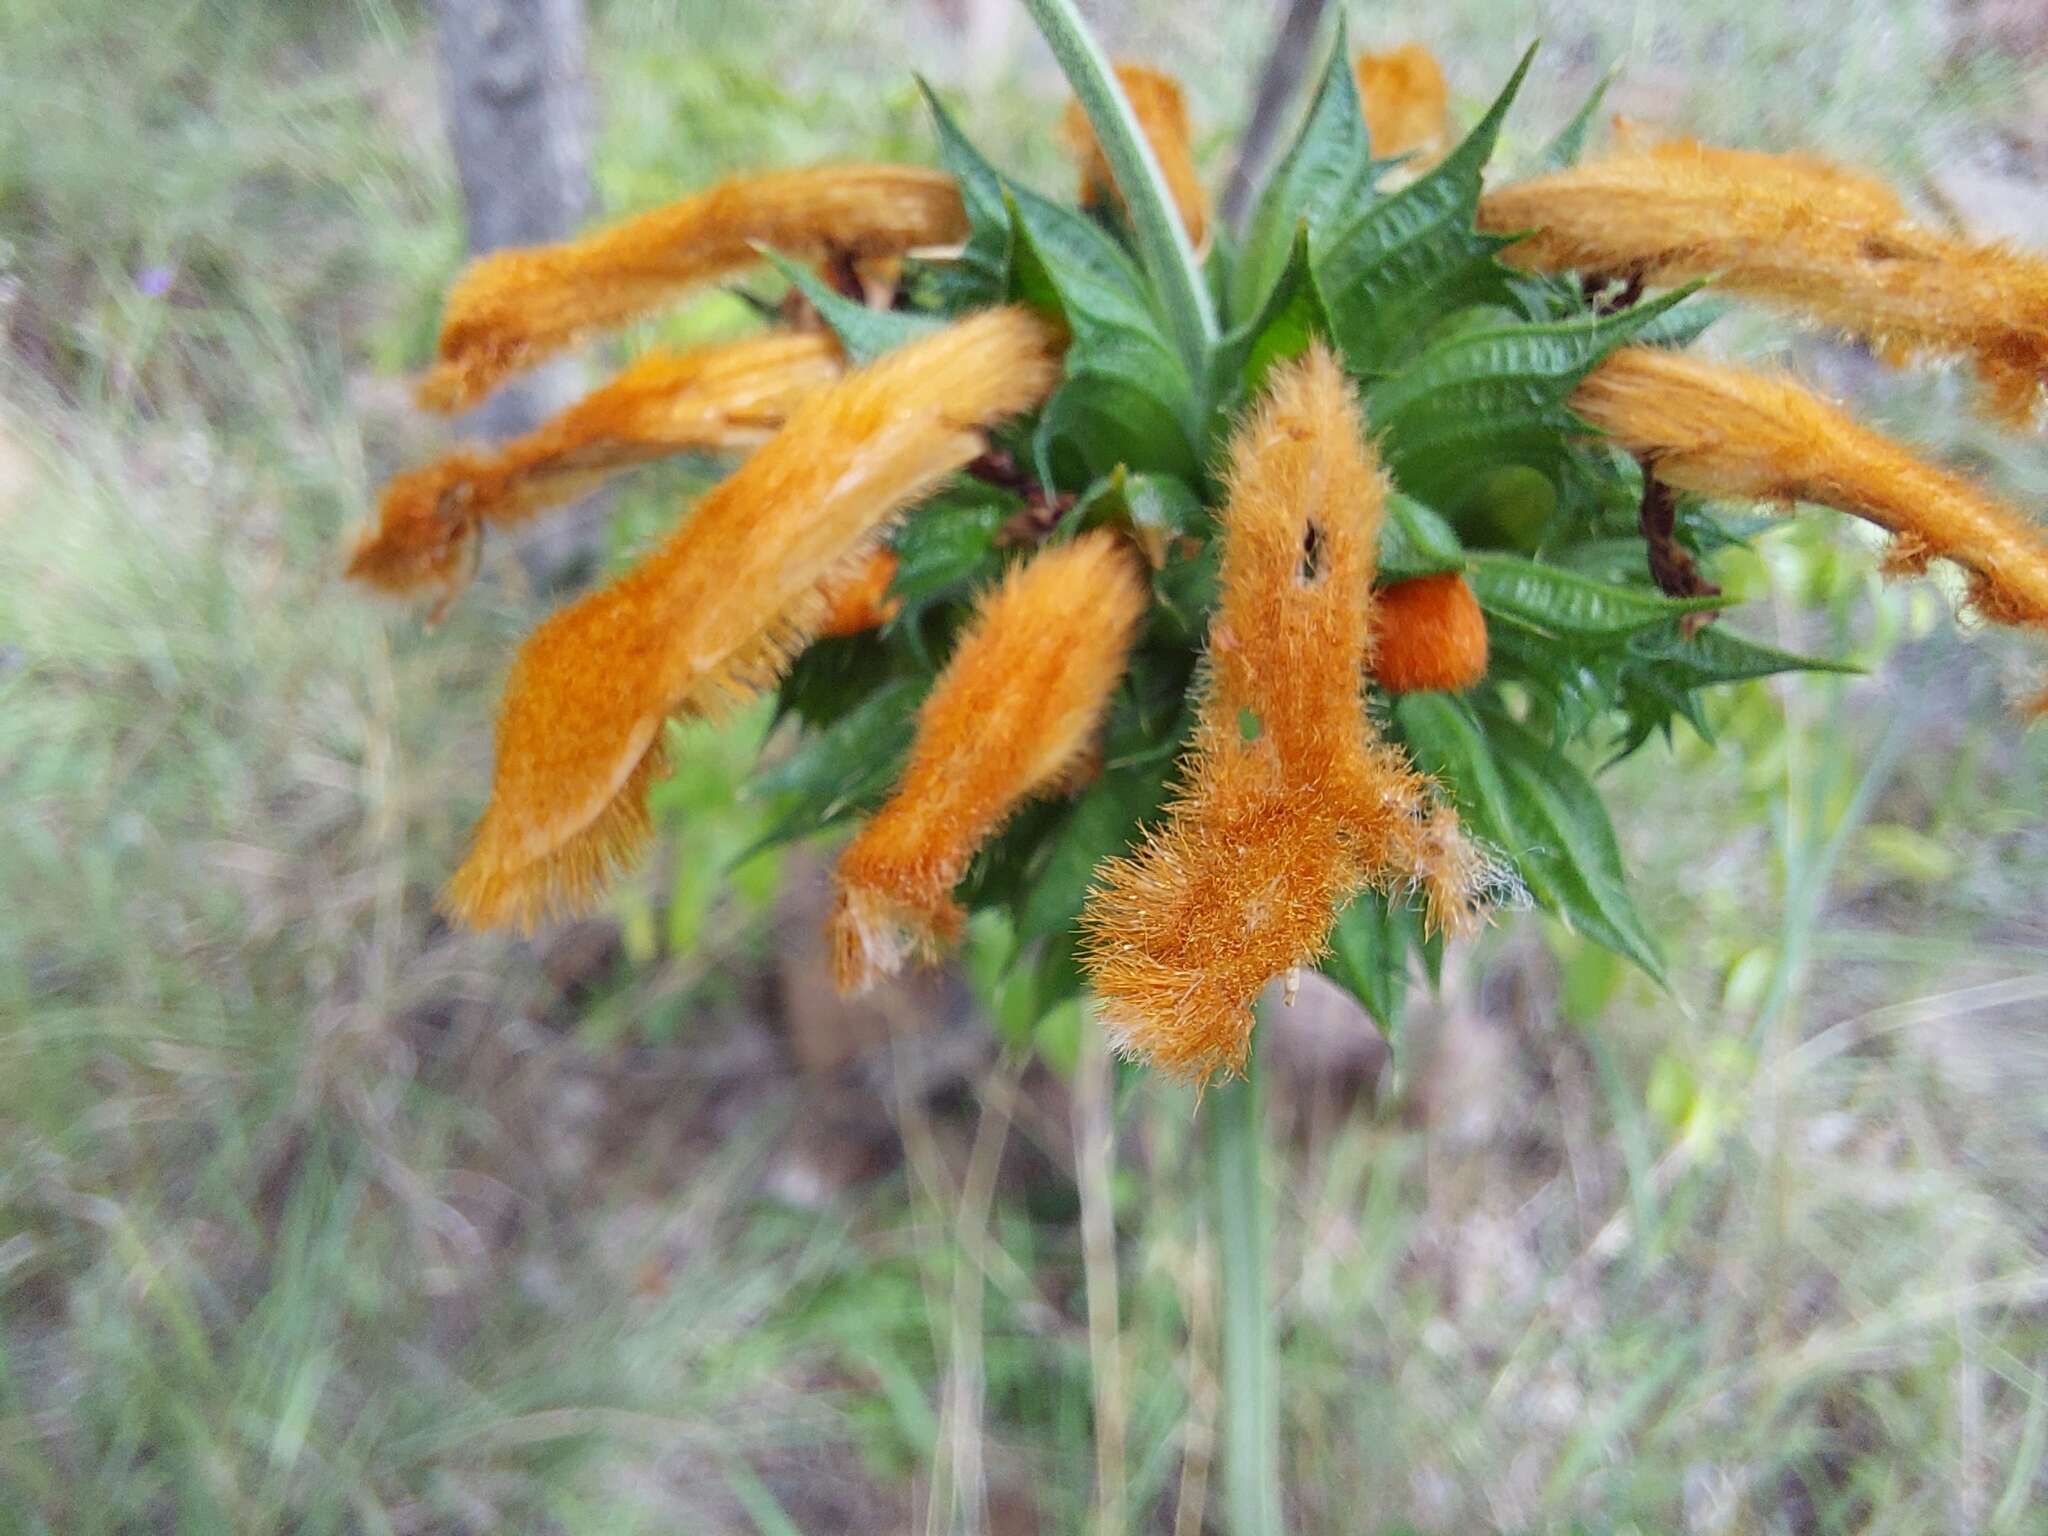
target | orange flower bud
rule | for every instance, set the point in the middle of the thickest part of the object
(1794, 229)
(859, 600)
(1428, 633)
(714, 613)
(1290, 806)
(1406, 101)
(1162, 113)
(513, 308)
(716, 398)
(1016, 709)
(1721, 431)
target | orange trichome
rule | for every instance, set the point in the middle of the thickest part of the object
(712, 615)
(721, 398)
(1406, 101)
(1290, 805)
(1014, 711)
(1722, 431)
(510, 309)
(1797, 230)
(1162, 113)
(1428, 633)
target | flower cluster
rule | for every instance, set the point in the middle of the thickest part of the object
(1194, 653)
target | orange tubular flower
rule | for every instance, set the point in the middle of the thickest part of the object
(1429, 633)
(712, 615)
(1290, 806)
(716, 398)
(1797, 230)
(1721, 431)
(1162, 114)
(1406, 100)
(1016, 708)
(513, 308)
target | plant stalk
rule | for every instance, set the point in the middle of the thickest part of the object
(1241, 1222)
(1162, 243)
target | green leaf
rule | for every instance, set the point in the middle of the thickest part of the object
(844, 769)
(864, 334)
(1560, 602)
(1402, 260)
(1536, 806)
(947, 548)
(1495, 397)
(1127, 397)
(1103, 823)
(1715, 655)
(1292, 316)
(1416, 541)
(1369, 957)
(1154, 510)
(1563, 152)
(981, 274)
(1328, 168)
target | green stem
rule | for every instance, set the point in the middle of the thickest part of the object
(1162, 243)
(1251, 1382)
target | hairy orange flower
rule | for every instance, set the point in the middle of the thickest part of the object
(1162, 115)
(858, 600)
(1428, 633)
(513, 308)
(1406, 100)
(1016, 708)
(1290, 806)
(1722, 431)
(1795, 229)
(712, 615)
(715, 398)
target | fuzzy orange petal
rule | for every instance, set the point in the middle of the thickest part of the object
(1406, 101)
(511, 309)
(1428, 633)
(1722, 431)
(722, 398)
(1162, 113)
(1796, 230)
(1018, 705)
(714, 613)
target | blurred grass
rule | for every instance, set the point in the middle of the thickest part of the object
(317, 1217)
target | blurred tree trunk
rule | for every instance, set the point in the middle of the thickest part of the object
(517, 105)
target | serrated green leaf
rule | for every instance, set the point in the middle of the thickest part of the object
(1563, 152)
(1536, 806)
(981, 273)
(1399, 261)
(1292, 316)
(1715, 655)
(1560, 602)
(844, 769)
(1096, 423)
(1329, 167)
(864, 334)
(948, 548)
(1496, 397)
(1368, 958)
(1416, 541)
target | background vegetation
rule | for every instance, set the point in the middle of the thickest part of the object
(316, 1216)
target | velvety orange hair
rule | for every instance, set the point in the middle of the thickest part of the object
(1017, 707)
(1406, 102)
(1162, 113)
(722, 398)
(714, 613)
(1289, 805)
(1797, 230)
(1428, 633)
(1722, 431)
(513, 308)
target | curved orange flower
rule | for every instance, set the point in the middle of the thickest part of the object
(1016, 708)
(1406, 102)
(1428, 633)
(1722, 431)
(1162, 113)
(712, 615)
(1795, 229)
(1290, 805)
(717, 398)
(513, 308)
